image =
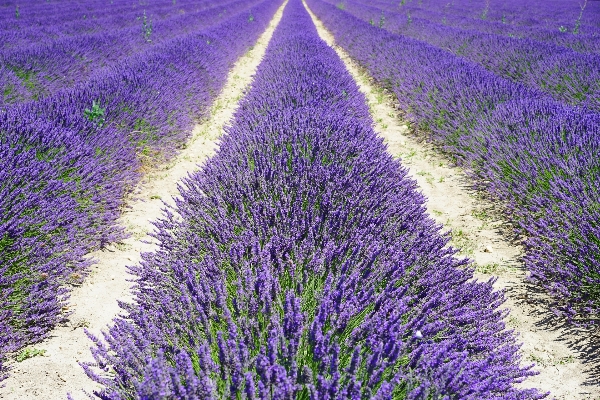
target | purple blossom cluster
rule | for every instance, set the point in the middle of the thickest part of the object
(34, 70)
(68, 160)
(568, 76)
(539, 156)
(299, 263)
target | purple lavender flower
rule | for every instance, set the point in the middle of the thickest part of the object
(300, 262)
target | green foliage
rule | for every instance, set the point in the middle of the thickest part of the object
(578, 21)
(381, 20)
(146, 27)
(95, 114)
(9, 93)
(17, 12)
(29, 79)
(341, 5)
(485, 11)
(146, 131)
(29, 353)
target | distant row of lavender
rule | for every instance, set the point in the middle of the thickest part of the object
(567, 75)
(36, 70)
(300, 263)
(540, 156)
(584, 39)
(549, 14)
(68, 160)
(28, 22)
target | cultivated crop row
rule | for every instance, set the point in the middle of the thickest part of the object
(485, 17)
(550, 15)
(33, 71)
(30, 22)
(566, 75)
(69, 159)
(540, 156)
(300, 263)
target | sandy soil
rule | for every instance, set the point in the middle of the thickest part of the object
(566, 358)
(94, 304)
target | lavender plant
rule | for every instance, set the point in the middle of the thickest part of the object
(43, 68)
(536, 21)
(300, 263)
(566, 75)
(538, 156)
(66, 170)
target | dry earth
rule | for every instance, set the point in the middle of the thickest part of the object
(94, 303)
(566, 357)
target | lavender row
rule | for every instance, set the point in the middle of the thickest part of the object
(300, 263)
(35, 71)
(25, 23)
(572, 36)
(531, 13)
(68, 160)
(539, 156)
(566, 75)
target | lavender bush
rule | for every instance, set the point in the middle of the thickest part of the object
(300, 263)
(36, 70)
(527, 14)
(44, 22)
(566, 75)
(68, 160)
(540, 156)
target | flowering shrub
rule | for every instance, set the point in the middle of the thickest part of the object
(32, 69)
(538, 155)
(300, 263)
(566, 75)
(68, 160)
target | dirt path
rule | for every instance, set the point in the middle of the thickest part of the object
(563, 356)
(94, 304)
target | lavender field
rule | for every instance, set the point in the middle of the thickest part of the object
(300, 258)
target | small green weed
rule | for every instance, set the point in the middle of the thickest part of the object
(381, 20)
(578, 21)
(490, 269)
(95, 114)
(484, 14)
(29, 353)
(146, 27)
(461, 241)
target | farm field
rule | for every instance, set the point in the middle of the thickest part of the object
(311, 199)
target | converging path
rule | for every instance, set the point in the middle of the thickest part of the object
(96, 302)
(476, 231)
